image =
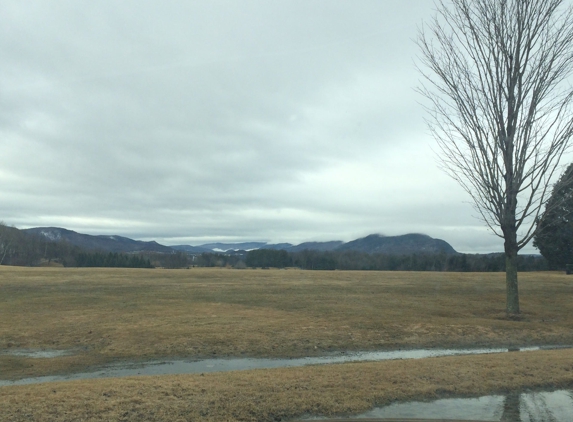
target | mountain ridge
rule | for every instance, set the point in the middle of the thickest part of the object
(398, 245)
(375, 243)
(108, 243)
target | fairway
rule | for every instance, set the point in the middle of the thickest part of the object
(113, 315)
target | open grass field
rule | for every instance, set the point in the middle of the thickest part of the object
(283, 394)
(109, 315)
(127, 314)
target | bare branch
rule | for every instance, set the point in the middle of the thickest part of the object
(499, 107)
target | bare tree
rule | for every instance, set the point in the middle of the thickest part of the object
(6, 241)
(495, 76)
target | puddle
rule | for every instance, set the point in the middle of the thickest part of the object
(173, 367)
(34, 353)
(554, 406)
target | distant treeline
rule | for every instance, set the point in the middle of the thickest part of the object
(352, 260)
(112, 260)
(220, 260)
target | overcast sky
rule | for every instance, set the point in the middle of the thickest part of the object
(188, 122)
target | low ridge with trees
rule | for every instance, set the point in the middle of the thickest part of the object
(411, 252)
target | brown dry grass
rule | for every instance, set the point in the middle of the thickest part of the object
(282, 394)
(127, 314)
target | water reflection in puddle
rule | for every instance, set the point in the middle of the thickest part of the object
(555, 406)
(220, 365)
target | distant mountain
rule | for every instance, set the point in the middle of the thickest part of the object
(279, 246)
(317, 246)
(105, 243)
(223, 247)
(398, 245)
(190, 249)
(394, 245)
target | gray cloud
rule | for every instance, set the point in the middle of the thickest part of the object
(193, 121)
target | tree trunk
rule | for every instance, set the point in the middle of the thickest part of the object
(511, 276)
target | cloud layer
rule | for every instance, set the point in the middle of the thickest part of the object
(189, 122)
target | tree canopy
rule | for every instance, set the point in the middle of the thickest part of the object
(554, 237)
